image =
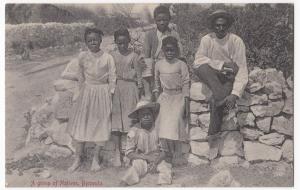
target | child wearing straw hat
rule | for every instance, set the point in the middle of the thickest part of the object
(142, 146)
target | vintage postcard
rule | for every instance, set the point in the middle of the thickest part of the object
(149, 95)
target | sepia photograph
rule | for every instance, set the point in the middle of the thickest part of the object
(149, 95)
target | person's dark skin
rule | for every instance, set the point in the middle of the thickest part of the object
(162, 21)
(122, 44)
(93, 41)
(221, 29)
(171, 52)
(147, 120)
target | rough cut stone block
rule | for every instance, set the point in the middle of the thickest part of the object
(287, 150)
(196, 161)
(199, 91)
(255, 151)
(283, 125)
(198, 107)
(264, 124)
(272, 109)
(257, 75)
(288, 106)
(258, 99)
(251, 134)
(273, 75)
(229, 122)
(198, 134)
(246, 119)
(194, 119)
(200, 148)
(254, 87)
(273, 89)
(243, 108)
(271, 139)
(231, 143)
(204, 120)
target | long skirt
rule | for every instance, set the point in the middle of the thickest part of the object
(90, 118)
(124, 101)
(170, 122)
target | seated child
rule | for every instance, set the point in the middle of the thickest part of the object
(142, 147)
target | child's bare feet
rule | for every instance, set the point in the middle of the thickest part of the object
(95, 165)
(123, 184)
(75, 165)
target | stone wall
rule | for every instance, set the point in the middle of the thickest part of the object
(262, 129)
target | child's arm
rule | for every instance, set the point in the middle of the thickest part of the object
(156, 80)
(80, 77)
(131, 146)
(112, 78)
(185, 88)
(138, 71)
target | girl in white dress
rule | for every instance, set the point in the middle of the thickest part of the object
(90, 119)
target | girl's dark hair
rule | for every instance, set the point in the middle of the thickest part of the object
(170, 40)
(122, 32)
(92, 30)
(162, 9)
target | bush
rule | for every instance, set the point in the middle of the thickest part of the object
(43, 35)
(267, 30)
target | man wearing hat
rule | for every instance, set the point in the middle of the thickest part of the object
(142, 146)
(220, 63)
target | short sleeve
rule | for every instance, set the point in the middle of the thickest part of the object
(131, 143)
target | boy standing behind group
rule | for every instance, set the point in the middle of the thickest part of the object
(152, 48)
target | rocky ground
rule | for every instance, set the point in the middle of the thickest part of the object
(43, 161)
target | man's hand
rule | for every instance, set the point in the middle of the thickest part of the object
(150, 158)
(156, 95)
(142, 64)
(231, 65)
(152, 168)
(229, 101)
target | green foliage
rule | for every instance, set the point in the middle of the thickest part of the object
(267, 30)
